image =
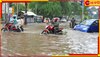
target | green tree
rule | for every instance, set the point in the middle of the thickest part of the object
(21, 7)
(76, 8)
(47, 8)
(66, 8)
(56, 8)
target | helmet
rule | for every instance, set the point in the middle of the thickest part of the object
(56, 19)
(14, 17)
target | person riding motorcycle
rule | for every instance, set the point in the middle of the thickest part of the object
(14, 21)
(53, 27)
(19, 24)
(49, 28)
(55, 23)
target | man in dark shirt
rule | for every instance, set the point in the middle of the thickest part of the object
(73, 23)
(55, 23)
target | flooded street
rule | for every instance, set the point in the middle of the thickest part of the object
(32, 42)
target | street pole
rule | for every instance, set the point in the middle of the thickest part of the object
(8, 13)
(36, 9)
(82, 11)
(5, 14)
(25, 14)
(17, 10)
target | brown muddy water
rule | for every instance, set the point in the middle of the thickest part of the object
(32, 42)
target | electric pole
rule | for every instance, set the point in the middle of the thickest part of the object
(25, 14)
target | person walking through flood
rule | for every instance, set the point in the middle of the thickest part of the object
(73, 22)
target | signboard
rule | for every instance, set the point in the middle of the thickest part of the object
(0, 1)
(92, 2)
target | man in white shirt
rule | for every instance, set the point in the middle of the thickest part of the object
(21, 23)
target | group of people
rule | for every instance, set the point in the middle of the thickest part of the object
(17, 22)
(53, 26)
(55, 22)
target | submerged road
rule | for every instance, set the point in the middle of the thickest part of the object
(32, 42)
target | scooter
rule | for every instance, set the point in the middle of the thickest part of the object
(51, 30)
(7, 27)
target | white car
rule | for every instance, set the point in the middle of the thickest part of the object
(63, 20)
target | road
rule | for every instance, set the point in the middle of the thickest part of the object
(32, 42)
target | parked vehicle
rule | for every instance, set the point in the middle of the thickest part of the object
(39, 19)
(63, 20)
(90, 25)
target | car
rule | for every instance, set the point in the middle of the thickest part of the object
(63, 20)
(90, 25)
(39, 19)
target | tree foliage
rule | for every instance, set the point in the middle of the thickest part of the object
(21, 7)
(47, 8)
(56, 8)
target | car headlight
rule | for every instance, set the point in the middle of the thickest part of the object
(75, 26)
(85, 28)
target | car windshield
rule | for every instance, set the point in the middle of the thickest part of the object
(87, 22)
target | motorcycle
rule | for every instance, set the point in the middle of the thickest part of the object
(7, 27)
(51, 30)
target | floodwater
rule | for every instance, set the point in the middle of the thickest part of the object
(32, 42)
